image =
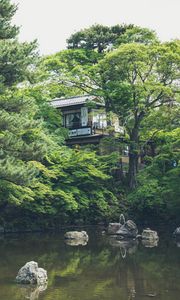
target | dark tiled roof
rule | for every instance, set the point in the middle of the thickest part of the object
(65, 102)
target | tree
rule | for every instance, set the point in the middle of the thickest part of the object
(54, 71)
(7, 11)
(15, 58)
(61, 72)
(76, 186)
(96, 37)
(134, 80)
(157, 194)
(137, 34)
(22, 143)
(15, 61)
(22, 139)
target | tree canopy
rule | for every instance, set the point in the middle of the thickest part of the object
(103, 38)
(97, 37)
(135, 80)
(21, 137)
(7, 11)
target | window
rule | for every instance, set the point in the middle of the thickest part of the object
(73, 120)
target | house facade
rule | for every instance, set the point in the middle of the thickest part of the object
(85, 118)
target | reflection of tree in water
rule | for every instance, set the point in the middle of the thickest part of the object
(100, 272)
(96, 271)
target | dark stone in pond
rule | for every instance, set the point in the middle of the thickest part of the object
(150, 235)
(126, 230)
(113, 228)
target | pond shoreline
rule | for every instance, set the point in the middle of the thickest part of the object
(54, 230)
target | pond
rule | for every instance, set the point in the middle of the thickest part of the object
(104, 269)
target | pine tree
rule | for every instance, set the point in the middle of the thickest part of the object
(7, 11)
(21, 136)
(14, 57)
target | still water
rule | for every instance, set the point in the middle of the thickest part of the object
(101, 270)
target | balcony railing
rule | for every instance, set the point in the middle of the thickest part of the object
(93, 125)
(77, 125)
(76, 129)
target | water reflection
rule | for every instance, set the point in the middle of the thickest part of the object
(150, 243)
(125, 246)
(96, 271)
(31, 292)
(75, 242)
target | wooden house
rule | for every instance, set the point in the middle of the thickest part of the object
(85, 118)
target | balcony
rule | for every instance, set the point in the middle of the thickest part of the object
(90, 129)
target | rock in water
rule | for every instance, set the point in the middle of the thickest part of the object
(129, 230)
(113, 228)
(124, 229)
(42, 276)
(77, 235)
(149, 234)
(31, 274)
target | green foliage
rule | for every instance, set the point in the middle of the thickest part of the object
(21, 142)
(157, 194)
(136, 79)
(22, 139)
(52, 119)
(7, 11)
(97, 37)
(15, 57)
(57, 73)
(14, 61)
(74, 187)
(137, 35)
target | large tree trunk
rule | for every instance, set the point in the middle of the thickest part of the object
(133, 158)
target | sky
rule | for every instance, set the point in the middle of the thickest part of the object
(51, 22)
